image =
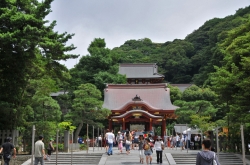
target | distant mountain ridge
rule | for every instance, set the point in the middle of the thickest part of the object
(189, 60)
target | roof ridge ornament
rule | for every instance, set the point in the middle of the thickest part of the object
(137, 98)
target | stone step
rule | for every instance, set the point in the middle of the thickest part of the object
(76, 159)
(224, 159)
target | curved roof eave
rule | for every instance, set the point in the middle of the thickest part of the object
(139, 102)
(137, 111)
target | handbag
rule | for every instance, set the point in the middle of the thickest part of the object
(162, 146)
(214, 161)
(128, 142)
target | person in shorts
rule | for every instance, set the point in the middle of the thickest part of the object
(128, 142)
(50, 148)
(148, 151)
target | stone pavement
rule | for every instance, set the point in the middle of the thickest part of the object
(133, 157)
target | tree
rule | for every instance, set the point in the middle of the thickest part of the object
(87, 107)
(99, 67)
(175, 93)
(27, 44)
(231, 80)
(195, 101)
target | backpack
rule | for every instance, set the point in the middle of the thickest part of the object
(80, 140)
(146, 146)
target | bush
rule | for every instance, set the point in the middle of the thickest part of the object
(60, 146)
(83, 147)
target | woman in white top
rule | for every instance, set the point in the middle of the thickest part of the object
(159, 145)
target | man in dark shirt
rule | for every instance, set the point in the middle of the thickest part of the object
(7, 148)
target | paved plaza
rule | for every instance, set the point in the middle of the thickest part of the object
(133, 157)
(98, 156)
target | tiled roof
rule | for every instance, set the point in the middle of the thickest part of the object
(156, 96)
(182, 87)
(58, 93)
(146, 70)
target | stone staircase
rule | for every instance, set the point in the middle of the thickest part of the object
(190, 159)
(77, 158)
(229, 159)
(187, 159)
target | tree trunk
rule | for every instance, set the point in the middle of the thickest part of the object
(77, 132)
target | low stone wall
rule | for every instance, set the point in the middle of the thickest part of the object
(19, 160)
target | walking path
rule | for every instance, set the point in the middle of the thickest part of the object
(133, 157)
(123, 159)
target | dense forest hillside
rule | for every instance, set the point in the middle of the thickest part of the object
(189, 60)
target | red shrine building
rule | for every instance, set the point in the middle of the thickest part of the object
(144, 100)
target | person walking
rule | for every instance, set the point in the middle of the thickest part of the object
(128, 141)
(110, 140)
(206, 157)
(159, 146)
(119, 139)
(39, 151)
(50, 148)
(7, 149)
(182, 142)
(100, 141)
(177, 140)
(169, 142)
(140, 146)
(147, 151)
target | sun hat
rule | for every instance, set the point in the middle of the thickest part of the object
(159, 138)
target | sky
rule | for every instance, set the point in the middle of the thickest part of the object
(120, 20)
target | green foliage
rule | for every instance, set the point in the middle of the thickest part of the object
(175, 93)
(195, 101)
(66, 126)
(202, 122)
(87, 107)
(206, 39)
(98, 68)
(30, 52)
(231, 80)
(83, 146)
(60, 146)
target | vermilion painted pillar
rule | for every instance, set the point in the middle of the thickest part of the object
(110, 124)
(163, 127)
(123, 124)
(150, 124)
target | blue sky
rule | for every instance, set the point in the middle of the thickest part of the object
(118, 21)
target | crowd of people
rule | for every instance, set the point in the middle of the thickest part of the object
(145, 144)
(183, 141)
(135, 140)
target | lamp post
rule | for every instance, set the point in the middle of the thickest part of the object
(98, 138)
(87, 141)
(217, 142)
(33, 141)
(93, 139)
(243, 144)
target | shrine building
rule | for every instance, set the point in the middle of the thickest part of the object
(144, 100)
